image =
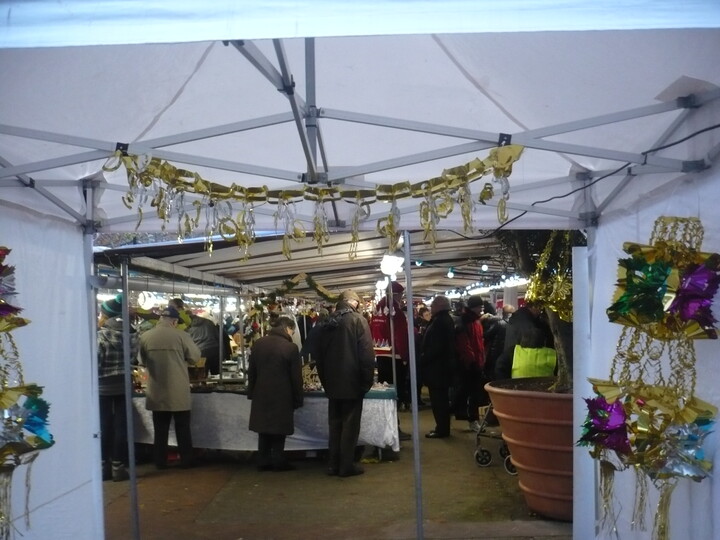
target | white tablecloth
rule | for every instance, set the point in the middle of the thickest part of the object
(220, 421)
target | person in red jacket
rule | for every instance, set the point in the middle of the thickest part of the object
(470, 351)
(380, 328)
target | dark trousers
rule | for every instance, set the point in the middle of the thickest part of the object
(161, 426)
(469, 394)
(344, 425)
(440, 403)
(113, 429)
(271, 450)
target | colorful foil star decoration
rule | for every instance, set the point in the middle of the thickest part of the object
(646, 416)
(9, 319)
(24, 427)
(649, 427)
(604, 427)
(667, 288)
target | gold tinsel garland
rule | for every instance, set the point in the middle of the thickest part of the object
(552, 285)
(163, 186)
(289, 284)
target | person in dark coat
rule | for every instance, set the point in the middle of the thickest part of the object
(276, 390)
(206, 335)
(494, 327)
(525, 321)
(346, 365)
(470, 349)
(437, 364)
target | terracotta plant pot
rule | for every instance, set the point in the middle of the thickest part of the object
(537, 426)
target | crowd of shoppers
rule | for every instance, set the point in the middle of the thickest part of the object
(457, 353)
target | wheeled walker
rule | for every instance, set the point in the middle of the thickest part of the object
(483, 456)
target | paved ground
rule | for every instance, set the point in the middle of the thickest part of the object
(226, 498)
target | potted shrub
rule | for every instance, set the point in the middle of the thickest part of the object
(535, 414)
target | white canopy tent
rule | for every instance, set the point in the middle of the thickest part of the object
(614, 123)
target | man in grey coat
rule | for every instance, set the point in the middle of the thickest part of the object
(276, 390)
(346, 365)
(167, 352)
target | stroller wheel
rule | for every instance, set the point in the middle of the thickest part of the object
(509, 467)
(483, 457)
(504, 452)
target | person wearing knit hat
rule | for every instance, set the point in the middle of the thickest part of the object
(111, 388)
(391, 326)
(112, 307)
(470, 375)
(437, 362)
(167, 352)
(346, 365)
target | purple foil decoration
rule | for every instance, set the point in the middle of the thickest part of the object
(605, 425)
(693, 299)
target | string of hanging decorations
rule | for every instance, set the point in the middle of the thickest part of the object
(289, 284)
(228, 210)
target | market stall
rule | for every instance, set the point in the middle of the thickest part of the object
(220, 420)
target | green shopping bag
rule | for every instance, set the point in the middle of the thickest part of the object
(533, 362)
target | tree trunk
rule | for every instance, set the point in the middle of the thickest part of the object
(563, 337)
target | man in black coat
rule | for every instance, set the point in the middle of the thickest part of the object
(346, 365)
(526, 320)
(437, 364)
(276, 390)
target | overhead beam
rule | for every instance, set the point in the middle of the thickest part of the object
(218, 131)
(224, 165)
(261, 62)
(589, 151)
(694, 100)
(156, 266)
(661, 140)
(412, 159)
(28, 182)
(409, 125)
(298, 109)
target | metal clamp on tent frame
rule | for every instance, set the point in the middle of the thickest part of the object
(504, 139)
(122, 147)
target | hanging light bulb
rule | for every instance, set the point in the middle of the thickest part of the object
(484, 267)
(451, 272)
(391, 264)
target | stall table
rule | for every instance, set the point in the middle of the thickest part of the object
(220, 421)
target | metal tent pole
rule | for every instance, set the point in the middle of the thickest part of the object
(135, 517)
(414, 396)
(390, 301)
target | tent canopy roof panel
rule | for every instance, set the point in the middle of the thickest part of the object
(362, 113)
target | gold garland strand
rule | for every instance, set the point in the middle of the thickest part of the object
(293, 229)
(321, 234)
(164, 186)
(289, 284)
(608, 520)
(661, 523)
(465, 201)
(640, 507)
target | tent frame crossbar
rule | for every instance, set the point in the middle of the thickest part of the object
(306, 117)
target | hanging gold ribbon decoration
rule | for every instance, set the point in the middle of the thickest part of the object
(164, 186)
